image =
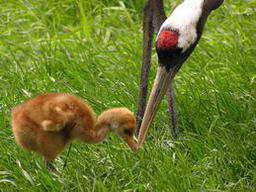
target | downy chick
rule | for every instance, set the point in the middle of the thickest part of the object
(47, 123)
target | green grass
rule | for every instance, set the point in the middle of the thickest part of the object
(92, 49)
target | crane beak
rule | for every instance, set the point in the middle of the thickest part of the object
(159, 89)
(132, 142)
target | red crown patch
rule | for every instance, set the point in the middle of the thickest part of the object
(167, 39)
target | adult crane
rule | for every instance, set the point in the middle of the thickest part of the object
(177, 37)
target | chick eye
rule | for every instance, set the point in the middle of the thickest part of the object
(127, 132)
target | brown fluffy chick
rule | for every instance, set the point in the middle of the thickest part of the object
(47, 123)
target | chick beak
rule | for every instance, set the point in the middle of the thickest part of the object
(159, 89)
(131, 141)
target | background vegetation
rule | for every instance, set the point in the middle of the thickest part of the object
(92, 49)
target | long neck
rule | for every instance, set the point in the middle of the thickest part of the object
(101, 130)
(90, 132)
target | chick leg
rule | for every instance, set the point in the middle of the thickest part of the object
(49, 165)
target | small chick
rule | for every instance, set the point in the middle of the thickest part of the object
(47, 123)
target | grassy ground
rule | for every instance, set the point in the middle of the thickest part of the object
(92, 49)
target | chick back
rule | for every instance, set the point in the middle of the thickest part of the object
(48, 122)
